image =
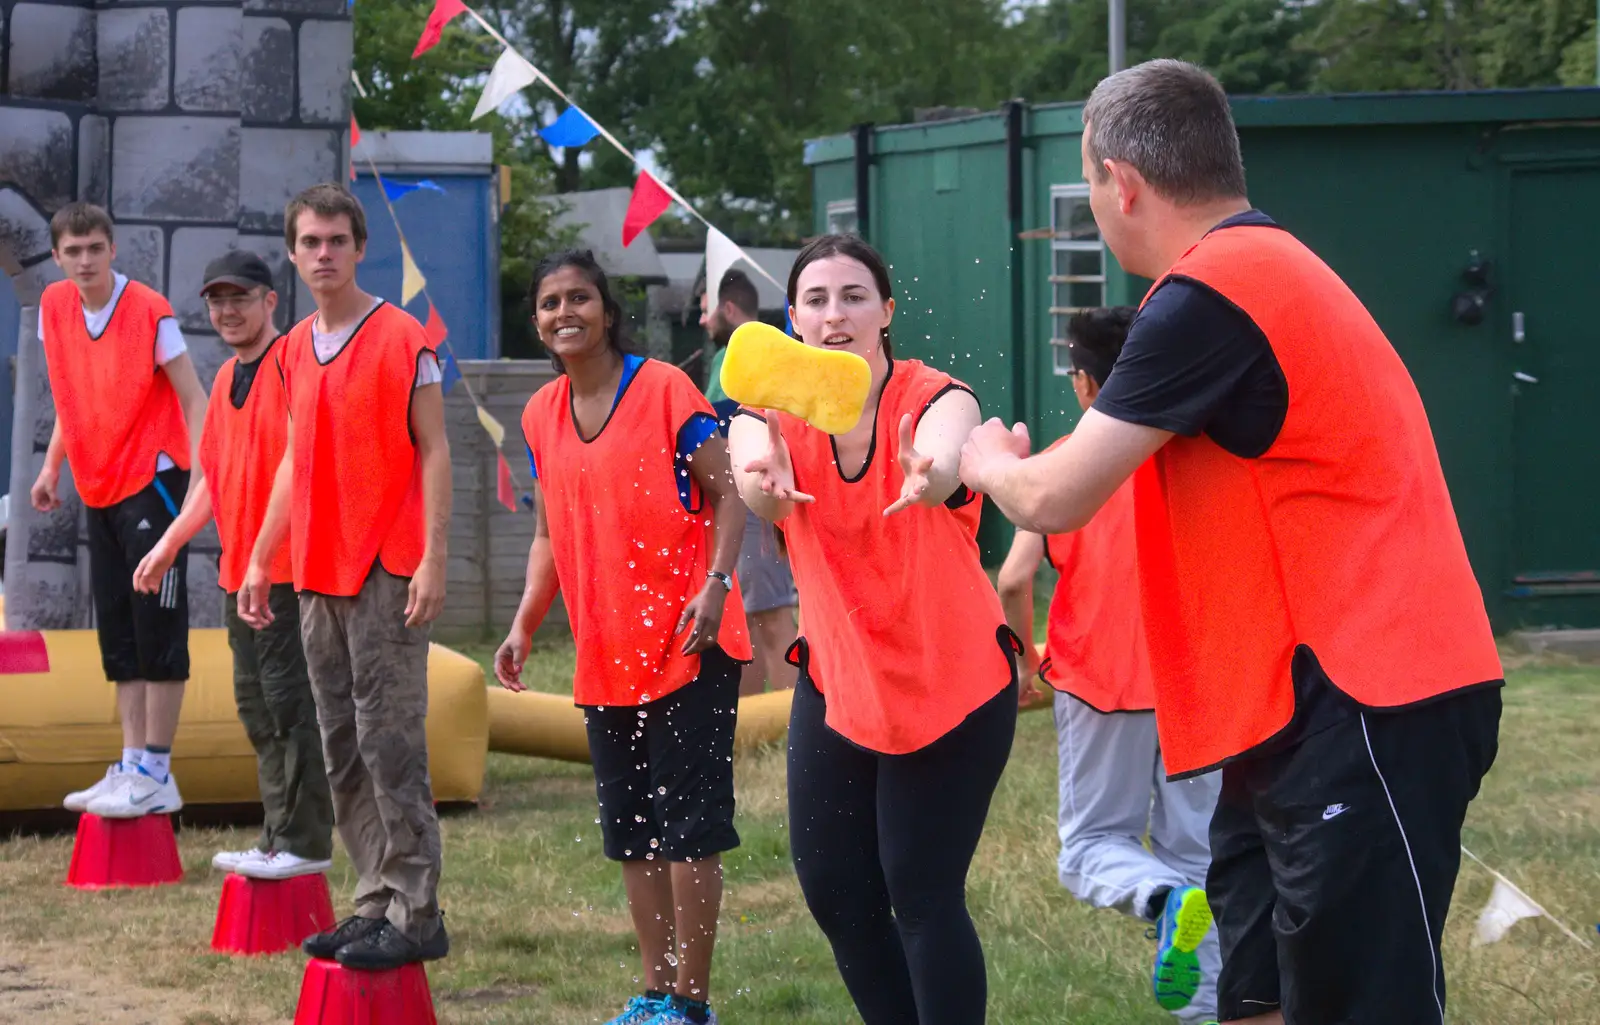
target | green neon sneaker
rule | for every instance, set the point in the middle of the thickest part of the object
(1184, 922)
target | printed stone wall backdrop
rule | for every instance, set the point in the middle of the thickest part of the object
(194, 123)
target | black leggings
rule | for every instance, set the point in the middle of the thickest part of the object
(882, 844)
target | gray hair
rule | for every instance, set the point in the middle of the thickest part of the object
(1171, 122)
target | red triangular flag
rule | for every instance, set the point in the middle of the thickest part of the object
(649, 201)
(503, 490)
(443, 12)
(434, 328)
(355, 132)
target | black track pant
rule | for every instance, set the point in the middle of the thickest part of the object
(882, 844)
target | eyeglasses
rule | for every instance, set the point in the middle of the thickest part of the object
(222, 303)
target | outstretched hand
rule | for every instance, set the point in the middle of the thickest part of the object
(990, 448)
(777, 471)
(914, 466)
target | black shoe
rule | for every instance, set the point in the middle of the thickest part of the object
(327, 944)
(388, 948)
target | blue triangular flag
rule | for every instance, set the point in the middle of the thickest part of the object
(572, 128)
(394, 190)
(788, 325)
(449, 371)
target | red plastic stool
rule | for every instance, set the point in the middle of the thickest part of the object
(124, 852)
(264, 916)
(331, 994)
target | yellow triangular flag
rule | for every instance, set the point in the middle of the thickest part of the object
(411, 279)
(490, 424)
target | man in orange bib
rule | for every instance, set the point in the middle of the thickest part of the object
(1314, 626)
(364, 491)
(129, 409)
(240, 449)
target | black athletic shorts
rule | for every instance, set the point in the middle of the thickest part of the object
(142, 636)
(664, 770)
(1333, 863)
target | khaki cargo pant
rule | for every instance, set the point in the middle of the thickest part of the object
(369, 674)
(273, 693)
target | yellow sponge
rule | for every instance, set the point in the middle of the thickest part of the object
(766, 369)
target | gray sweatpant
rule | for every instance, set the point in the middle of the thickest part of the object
(369, 674)
(1114, 792)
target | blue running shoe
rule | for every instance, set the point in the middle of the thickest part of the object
(640, 1011)
(671, 1015)
(1184, 922)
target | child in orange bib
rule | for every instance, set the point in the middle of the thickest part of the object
(1113, 789)
(906, 703)
(638, 526)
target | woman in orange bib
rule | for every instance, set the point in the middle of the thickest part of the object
(639, 526)
(907, 698)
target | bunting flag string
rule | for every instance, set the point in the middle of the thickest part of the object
(411, 280)
(503, 489)
(510, 75)
(435, 329)
(444, 12)
(649, 201)
(394, 189)
(1507, 906)
(646, 191)
(572, 129)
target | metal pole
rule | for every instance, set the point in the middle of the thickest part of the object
(863, 134)
(1021, 354)
(1118, 11)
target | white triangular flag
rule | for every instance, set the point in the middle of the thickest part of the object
(1507, 906)
(411, 279)
(511, 74)
(721, 255)
(490, 424)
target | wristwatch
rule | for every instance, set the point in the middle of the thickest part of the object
(722, 578)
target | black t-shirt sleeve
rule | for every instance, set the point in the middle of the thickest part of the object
(1195, 363)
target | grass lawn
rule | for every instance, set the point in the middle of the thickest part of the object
(541, 932)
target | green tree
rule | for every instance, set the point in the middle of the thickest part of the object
(1383, 45)
(766, 75)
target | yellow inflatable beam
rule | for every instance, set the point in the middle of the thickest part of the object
(58, 722)
(766, 369)
(550, 726)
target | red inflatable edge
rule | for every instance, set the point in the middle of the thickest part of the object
(23, 651)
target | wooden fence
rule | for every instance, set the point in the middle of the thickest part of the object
(488, 542)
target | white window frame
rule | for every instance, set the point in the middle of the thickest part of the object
(1061, 241)
(841, 217)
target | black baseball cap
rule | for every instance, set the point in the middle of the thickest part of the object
(238, 267)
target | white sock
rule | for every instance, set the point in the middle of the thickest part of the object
(131, 757)
(156, 764)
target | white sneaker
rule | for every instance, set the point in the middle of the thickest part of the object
(137, 794)
(78, 800)
(229, 861)
(281, 865)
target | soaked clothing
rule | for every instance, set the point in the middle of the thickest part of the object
(272, 688)
(663, 771)
(882, 844)
(369, 674)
